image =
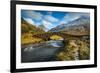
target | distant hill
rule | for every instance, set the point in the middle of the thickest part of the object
(80, 26)
(26, 27)
(43, 27)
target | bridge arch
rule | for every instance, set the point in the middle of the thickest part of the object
(56, 37)
(65, 36)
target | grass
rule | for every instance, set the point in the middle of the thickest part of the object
(71, 47)
(27, 39)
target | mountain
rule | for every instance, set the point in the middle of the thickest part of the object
(78, 26)
(43, 27)
(26, 27)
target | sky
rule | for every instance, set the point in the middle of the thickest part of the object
(50, 19)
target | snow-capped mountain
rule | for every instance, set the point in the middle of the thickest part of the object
(81, 24)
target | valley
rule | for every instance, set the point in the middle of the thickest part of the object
(66, 42)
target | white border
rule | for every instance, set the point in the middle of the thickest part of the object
(20, 65)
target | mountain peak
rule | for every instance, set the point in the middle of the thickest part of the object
(81, 23)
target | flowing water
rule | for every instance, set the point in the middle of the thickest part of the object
(42, 52)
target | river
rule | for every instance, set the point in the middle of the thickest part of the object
(42, 52)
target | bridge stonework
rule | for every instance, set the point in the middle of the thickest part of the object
(65, 36)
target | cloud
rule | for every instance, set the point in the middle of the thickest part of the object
(29, 20)
(32, 14)
(72, 16)
(48, 25)
(50, 18)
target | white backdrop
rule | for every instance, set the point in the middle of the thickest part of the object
(5, 37)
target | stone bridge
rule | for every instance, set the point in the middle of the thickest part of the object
(46, 36)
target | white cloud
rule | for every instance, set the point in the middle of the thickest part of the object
(29, 20)
(38, 23)
(32, 14)
(63, 22)
(50, 18)
(72, 16)
(37, 15)
(48, 25)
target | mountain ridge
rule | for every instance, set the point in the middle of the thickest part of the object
(78, 26)
(27, 27)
